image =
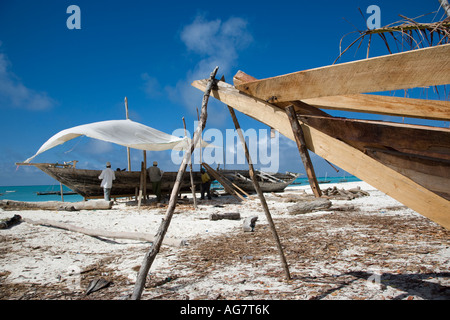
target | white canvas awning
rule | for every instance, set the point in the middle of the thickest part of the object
(122, 132)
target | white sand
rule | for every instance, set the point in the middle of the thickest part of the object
(49, 260)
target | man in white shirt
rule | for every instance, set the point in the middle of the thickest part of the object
(107, 176)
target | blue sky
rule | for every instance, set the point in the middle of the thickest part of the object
(53, 78)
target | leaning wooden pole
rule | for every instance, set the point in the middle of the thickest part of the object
(301, 144)
(150, 256)
(261, 195)
(194, 198)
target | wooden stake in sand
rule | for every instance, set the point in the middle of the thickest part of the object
(150, 256)
(260, 194)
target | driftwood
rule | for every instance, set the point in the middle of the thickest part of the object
(8, 223)
(97, 284)
(309, 205)
(103, 233)
(341, 194)
(226, 215)
(56, 205)
(249, 224)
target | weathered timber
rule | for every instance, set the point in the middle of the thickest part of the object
(310, 205)
(417, 68)
(225, 215)
(56, 205)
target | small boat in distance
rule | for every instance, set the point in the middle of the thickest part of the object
(325, 180)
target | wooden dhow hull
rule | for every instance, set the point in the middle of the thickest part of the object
(274, 182)
(87, 184)
(409, 163)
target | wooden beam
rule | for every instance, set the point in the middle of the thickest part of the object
(301, 145)
(366, 103)
(431, 173)
(417, 68)
(408, 138)
(340, 153)
(300, 107)
(378, 104)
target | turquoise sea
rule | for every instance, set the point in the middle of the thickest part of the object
(29, 193)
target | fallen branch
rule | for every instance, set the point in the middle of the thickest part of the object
(105, 234)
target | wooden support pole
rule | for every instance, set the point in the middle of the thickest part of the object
(261, 195)
(301, 144)
(144, 189)
(141, 185)
(151, 254)
(62, 192)
(128, 149)
(194, 197)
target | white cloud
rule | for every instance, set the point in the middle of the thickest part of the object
(14, 94)
(151, 86)
(216, 43)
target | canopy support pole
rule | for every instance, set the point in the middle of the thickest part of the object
(194, 198)
(128, 148)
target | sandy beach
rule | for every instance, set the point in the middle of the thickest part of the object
(369, 248)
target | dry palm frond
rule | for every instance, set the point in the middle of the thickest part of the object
(407, 34)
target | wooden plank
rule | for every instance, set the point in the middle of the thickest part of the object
(301, 145)
(378, 104)
(431, 173)
(300, 107)
(408, 138)
(341, 154)
(417, 68)
(366, 103)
